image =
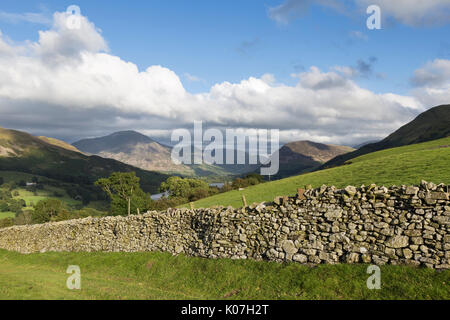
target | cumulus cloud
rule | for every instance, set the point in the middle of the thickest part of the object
(432, 82)
(409, 12)
(362, 68)
(68, 86)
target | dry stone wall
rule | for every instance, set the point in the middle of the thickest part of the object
(370, 224)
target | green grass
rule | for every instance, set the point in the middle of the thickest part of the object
(47, 193)
(163, 276)
(404, 165)
(4, 215)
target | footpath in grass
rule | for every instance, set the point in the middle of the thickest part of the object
(404, 165)
(163, 276)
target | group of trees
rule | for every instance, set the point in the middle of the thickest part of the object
(8, 204)
(187, 189)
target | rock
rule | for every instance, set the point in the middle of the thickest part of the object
(442, 219)
(411, 190)
(352, 258)
(397, 242)
(179, 249)
(333, 214)
(439, 196)
(407, 253)
(301, 258)
(289, 247)
(351, 190)
(242, 237)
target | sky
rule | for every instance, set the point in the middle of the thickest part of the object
(311, 69)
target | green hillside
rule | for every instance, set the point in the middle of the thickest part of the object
(404, 165)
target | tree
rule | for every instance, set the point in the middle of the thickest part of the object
(5, 194)
(184, 188)
(1, 180)
(48, 210)
(125, 192)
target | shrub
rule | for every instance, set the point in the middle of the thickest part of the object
(6, 222)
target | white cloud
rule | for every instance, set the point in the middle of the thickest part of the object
(31, 17)
(193, 78)
(409, 12)
(413, 12)
(67, 85)
(358, 35)
(432, 82)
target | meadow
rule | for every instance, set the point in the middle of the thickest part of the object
(163, 276)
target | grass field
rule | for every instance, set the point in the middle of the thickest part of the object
(404, 165)
(4, 215)
(47, 193)
(163, 276)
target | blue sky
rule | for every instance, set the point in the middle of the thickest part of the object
(218, 41)
(218, 48)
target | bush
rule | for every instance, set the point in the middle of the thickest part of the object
(7, 222)
(165, 203)
(4, 207)
(5, 194)
(24, 218)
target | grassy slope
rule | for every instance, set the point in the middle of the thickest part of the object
(162, 276)
(403, 165)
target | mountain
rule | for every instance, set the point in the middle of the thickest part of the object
(303, 156)
(59, 143)
(143, 152)
(429, 125)
(134, 149)
(22, 152)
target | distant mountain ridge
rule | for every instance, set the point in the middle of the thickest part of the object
(112, 143)
(430, 125)
(133, 148)
(136, 149)
(303, 156)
